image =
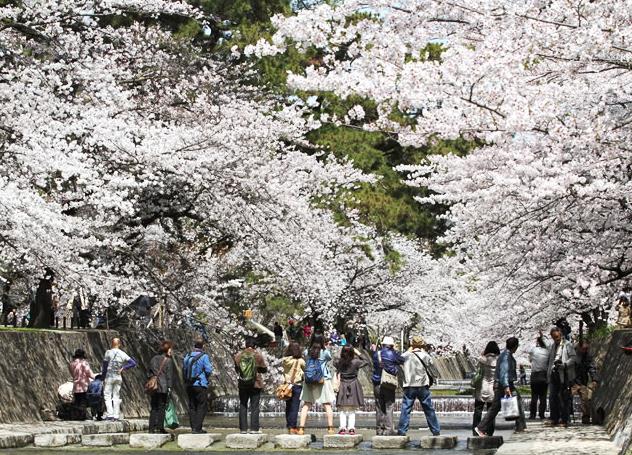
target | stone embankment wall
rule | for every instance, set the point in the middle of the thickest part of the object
(613, 398)
(34, 364)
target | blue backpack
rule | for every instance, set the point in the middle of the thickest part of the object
(95, 392)
(314, 372)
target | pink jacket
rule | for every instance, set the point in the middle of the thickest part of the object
(81, 375)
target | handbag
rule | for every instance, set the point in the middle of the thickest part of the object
(152, 386)
(509, 408)
(387, 379)
(477, 380)
(284, 391)
(171, 415)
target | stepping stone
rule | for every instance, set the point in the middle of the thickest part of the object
(104, 439)
(292, 441)
(56, 439)
(438, 442)
(14, 440)
(488, 442)
(390, 442)
(148, 440)
(246, 441)
(341, 441)
(192, 441)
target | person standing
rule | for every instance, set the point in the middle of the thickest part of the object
(293, 331)
(161, 366)
(317, 386)
(539, 358)
(197, 368)
(350, 397)
(504, 386)
(560, 375)
(416, 386)
(624, 315)
(385, 359)
(484, 388)
(586, 379)
(81, 374)
(115, 361)
(307, 331)
(250, 365)
(293, 371)
(278, 335)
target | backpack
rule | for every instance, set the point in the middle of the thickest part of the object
(95, 392)
(247, 369)
(189, 379)
(314, 372)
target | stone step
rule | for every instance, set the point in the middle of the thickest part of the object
(292, 441)
(56, 439)
(190, 441)
(389, 442)
(341, 441)
(438, 442)
(104, 439)
(15, 440)
(488, 442)
(148, 441)
(246, 441)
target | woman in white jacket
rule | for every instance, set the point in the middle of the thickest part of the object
(484, 384)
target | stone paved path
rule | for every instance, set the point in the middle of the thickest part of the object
(576, 440)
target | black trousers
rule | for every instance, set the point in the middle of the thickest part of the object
(559, 402)
(538, 394)
(80, 405)
(198, 407)
(478, 415)
(494, 409)
(157, 413)
(249, 396)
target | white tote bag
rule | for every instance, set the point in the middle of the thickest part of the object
(509, 408)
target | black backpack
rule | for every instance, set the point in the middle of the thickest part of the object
(189, 379)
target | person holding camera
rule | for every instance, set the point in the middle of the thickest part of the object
(560, 375)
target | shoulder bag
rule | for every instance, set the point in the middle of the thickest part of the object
(152, 385)
(284, 391)
(387, 380)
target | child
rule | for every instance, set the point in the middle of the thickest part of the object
(350, 397)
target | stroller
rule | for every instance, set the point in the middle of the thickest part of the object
(95, 397)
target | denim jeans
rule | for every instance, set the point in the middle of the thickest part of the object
(423, 395)
(292, 406)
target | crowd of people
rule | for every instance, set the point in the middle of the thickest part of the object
(558, 368)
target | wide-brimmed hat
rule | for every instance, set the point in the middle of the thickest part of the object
(418, 341)
(388, 341)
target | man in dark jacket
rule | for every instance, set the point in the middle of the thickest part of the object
(586, 379)
(197, 368)
(161, 366)
(386, 359)
(504, 386)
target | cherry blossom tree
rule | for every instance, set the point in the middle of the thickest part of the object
(134, 163)
(540, 212)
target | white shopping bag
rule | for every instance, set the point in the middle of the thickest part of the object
(509, 408)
